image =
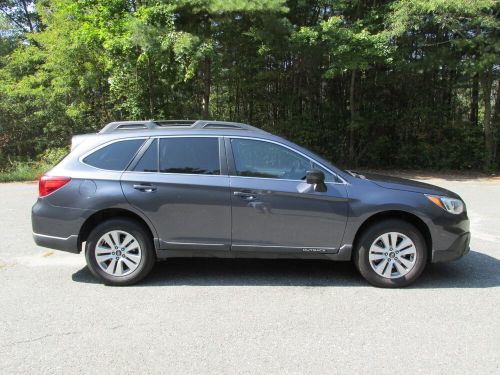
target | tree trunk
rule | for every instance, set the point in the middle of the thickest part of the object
(206, 68)
(353, 110)
(150, 84)
(27, 15)
(474, 105)
(207, 83)
(495, 123)
(486, 80)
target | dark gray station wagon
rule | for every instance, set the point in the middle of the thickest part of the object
(142, 191)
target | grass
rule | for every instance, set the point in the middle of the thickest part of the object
(29, 170)
(24, 171)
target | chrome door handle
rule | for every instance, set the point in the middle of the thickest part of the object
(145, 188)
(245, 196)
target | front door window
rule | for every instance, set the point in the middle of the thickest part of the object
(254, 158)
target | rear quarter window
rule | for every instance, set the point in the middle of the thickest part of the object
(115, 156)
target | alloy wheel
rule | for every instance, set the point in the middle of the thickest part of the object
(118, 253)
(392, 255)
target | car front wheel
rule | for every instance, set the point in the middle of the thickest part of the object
(391, 253)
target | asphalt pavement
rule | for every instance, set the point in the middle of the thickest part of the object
(203, 316)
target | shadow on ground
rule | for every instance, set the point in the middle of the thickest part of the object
(476, 270)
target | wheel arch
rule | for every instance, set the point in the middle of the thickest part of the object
(111, 213)
(400, 215)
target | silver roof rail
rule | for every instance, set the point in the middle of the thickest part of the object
(127, 125)
(175, 124)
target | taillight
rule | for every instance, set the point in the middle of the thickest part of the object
(49, 184)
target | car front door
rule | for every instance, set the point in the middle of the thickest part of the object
(273, 208)
(181, 184)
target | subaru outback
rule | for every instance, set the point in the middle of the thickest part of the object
(142, 191)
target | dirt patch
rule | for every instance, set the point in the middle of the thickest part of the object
(4, 265)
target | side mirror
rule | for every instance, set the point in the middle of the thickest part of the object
(317, 178)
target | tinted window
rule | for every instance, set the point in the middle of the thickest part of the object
(115, 156)
(189, 155)
(149, 160)
(264, 159)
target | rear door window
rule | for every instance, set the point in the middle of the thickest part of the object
(115, 156)
(190, 155)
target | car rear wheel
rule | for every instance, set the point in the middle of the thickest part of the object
(391, 253)
(119, 252)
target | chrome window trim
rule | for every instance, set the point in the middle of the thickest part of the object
(286, 179)
(220, 138)
(80, 159)
(343, 182)
(177, 174)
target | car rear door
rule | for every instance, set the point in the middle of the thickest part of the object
(181, 184)
(273, 208)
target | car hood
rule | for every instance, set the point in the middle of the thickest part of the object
(404, 184)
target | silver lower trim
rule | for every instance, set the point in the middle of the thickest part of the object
(54, 237)
(286, 247)
(194, 243)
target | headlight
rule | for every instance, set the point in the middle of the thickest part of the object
(452, 205)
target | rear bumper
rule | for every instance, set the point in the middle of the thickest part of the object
(458, 249)
(57, 227)
(69, 244)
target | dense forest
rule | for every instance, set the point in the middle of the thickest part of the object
(365, 83)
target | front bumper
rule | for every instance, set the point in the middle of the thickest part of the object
(458, 249)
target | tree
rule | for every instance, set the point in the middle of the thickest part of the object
(470, 27)
(384, 83)
(21, 15)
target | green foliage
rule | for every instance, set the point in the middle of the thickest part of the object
(52, 156)
(21, 171)
(28, 170)
(364, 83)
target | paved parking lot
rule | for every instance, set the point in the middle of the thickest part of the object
(248, 316)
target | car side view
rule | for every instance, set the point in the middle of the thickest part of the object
(142, 191)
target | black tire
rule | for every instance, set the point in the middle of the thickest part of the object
(142, 236)
(361, 253)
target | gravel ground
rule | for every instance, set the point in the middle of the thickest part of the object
(248, 316)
